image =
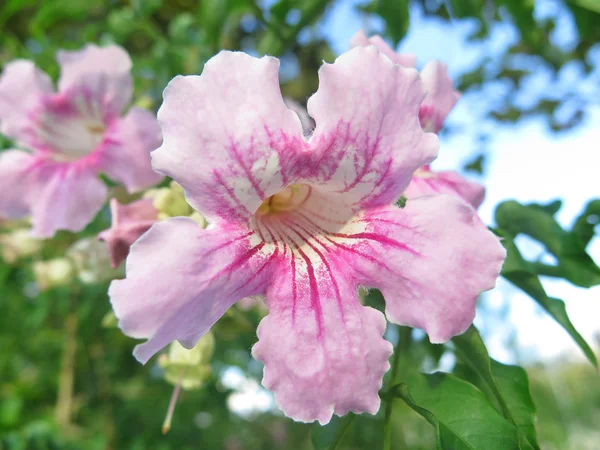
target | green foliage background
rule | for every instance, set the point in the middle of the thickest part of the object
(46, 339)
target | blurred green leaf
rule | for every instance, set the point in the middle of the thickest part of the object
(586, 223)
(476, 165)
(464, 419)
(574, 264)
(519, 272)
(395, 14)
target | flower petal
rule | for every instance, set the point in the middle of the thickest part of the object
(17, 183)
(368, 140)
(22, 88)
(426, 182)
(229, 139)
(441, 96)
(101, 72)
(181, 279)
(323, 352)
(125, 153)
(431, 260)
(70, 195)
(360, 39)
(129, 222)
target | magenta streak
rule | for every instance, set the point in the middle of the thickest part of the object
(231, 194)
(314, 291)
(225, 244)
(257, 273)
(378, 238)
(390, 222)
(320, 217)
(430, 184)
(368, 160)
(350, 249)
(294, 293)
(273, 238)
(238, 262)
(325, 262)
(247, 171)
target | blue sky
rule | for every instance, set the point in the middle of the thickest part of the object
(526, 162)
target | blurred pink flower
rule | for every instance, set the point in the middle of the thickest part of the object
(71, 136)
(441, 96)
(304, 222)
(129, 222)
(428, 182)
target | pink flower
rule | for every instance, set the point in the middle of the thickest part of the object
(129, 222)
(73, 135)
(427, 182)
(360, 39)
(304, 222)
(441, 97)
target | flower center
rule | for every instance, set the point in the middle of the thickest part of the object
(301, 216)
(286, 200)
(68, 129)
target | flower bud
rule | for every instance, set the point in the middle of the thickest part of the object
(91, 260)
(170, 202)
(53, 273)
(19, 244)
(189, 368)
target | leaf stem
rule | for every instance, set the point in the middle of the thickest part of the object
(404, 341)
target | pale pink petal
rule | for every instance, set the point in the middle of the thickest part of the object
(229, 139)
(323, 351)
(181, 279)
(69, 198)
(360, 39)
(368, 141)
(426, 182)
(125, 152)
(431, 260)
(22, 88)
(441, 96)
(18, 183)
(102, 72)
(129, 222)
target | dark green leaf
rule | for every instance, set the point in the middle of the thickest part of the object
(463, 417)
(514, 385)
(506, 386)
(329, 437)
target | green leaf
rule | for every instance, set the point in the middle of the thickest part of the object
(519, 272)
(330, 436)
(514, 385)
(537, 222)
(510, 394)
(463, 417)
(587, 222)
(471, 347)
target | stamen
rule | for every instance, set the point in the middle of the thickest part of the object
(167, 423)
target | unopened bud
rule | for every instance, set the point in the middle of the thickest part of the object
(19, 244)
(53, 273)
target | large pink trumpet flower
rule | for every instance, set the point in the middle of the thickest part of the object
(305, 222)
(71, 136)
